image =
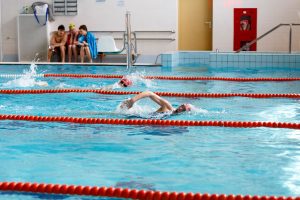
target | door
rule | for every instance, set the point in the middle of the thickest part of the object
(195, 25)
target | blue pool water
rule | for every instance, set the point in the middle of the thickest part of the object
(255, 161)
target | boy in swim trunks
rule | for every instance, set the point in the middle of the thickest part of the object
(58, 42)
(165, 106)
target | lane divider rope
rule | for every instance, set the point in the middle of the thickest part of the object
(157, 122)
(169, 94)
(203, 78)
(206, 78)
(125, 192)
(20, 75)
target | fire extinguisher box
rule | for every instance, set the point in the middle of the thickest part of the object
(245, 28)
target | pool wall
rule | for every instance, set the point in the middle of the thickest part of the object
(231, 59)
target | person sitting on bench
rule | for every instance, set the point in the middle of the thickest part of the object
(87, 43)
(57, 43)
(71, 42)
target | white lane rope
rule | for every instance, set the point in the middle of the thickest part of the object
(19, 75)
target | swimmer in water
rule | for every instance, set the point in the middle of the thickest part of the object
(124, 82)
(165, 106)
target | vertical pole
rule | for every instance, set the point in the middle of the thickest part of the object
(290, 39)
(128, 39)
(66, 8)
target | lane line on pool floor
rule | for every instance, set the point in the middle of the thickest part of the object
(169, 94)
(155, 122)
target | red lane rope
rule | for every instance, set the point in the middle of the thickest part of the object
(158, 122)
(205, 78)
(169, 94)
(125, 192)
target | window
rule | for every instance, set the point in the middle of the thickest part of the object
(65, 7)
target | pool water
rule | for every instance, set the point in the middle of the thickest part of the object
(255, 161)
(156, 85)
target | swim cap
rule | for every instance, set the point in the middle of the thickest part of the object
(127, 82)
(71, 25)
(183, 108)
(187, 107)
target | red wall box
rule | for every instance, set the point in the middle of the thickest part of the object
(245, 27)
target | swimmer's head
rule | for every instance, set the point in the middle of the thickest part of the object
(125, 82)
(183, 108)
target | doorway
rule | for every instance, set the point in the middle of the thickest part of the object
(195, 25)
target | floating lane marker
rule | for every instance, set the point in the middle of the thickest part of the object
(169, 94)
(155, 122)
(125, 192)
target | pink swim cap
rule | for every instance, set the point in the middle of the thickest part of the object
(125, 82)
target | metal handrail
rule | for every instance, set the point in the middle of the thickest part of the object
(170, 39)
(128, 39)
(140, 31)
(267, 33)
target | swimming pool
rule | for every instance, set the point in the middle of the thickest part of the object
(255, 161)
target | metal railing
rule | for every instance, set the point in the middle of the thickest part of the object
(149, 38)
(247, 46)
(140, 31)
(127, 41)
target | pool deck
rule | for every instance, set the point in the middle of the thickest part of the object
(85, 64)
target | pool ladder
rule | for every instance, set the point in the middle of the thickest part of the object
(131, 46)
(247, 45)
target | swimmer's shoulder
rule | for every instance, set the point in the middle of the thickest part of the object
(161, 115)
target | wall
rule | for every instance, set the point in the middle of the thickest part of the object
(154, 15)
(270, 14)
(9, 30)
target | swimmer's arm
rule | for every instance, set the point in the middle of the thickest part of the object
(154, 97)
(75, 39)
(42, 83)
(52, 40)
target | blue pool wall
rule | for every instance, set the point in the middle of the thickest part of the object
(231, 59)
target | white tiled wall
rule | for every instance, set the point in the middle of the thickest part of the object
(214, 59)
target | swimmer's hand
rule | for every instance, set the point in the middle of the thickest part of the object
(42, 83)
(127, 104)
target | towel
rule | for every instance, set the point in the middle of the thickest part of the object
(91, 40)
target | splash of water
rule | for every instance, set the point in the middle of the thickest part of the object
(27, 79)
(196, 110)
(278, 113)
(63, 85)
(136, 110)
(138, 77)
